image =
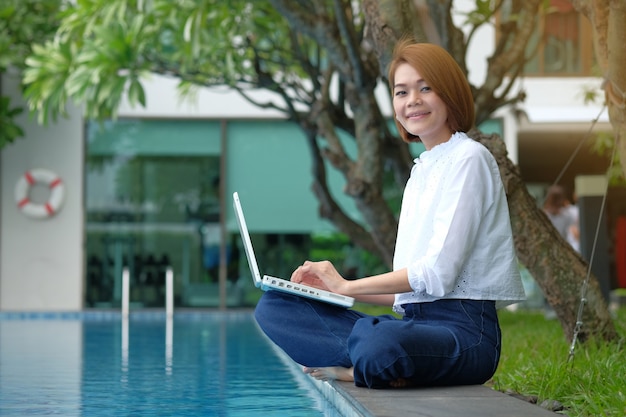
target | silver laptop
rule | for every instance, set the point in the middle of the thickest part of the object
(272, 283)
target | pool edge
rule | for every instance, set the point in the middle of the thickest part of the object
(344, 403)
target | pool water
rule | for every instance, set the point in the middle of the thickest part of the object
(210, 364)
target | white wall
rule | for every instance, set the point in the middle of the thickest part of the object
(163, 100)
(562, 100)
(41, 260)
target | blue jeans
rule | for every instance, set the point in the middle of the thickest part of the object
(446, 342)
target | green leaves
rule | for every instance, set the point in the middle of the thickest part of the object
(10, 130)
(603, 145)
(47, 67)
(92, 64)
(482, 14)
(103, 50)
(21, 22)
(136, 93)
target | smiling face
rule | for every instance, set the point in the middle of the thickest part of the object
(418, 108)
(418, 65)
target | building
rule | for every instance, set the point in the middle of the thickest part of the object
(143, 192)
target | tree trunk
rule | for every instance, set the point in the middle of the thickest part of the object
(607, 19)
(616, 79)
(555, 266)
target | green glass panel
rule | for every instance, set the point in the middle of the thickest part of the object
(269, 165)
(154, 137)
(151, 203)
(492, 126)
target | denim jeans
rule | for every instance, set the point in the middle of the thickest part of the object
(446, 342)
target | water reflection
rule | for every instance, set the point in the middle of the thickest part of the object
(214, 366)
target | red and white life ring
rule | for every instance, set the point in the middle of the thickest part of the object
(42, 176)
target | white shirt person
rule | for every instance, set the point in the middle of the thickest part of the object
(454, 260)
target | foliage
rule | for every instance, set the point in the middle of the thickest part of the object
(604, 142)
(105, 49)
(9, 130)
(21, 23)
(604, 145)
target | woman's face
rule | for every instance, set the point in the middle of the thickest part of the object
(418, 108)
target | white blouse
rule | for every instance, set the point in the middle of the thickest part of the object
(454, 232)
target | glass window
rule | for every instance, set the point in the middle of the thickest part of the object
(152, 203)
(561, 44)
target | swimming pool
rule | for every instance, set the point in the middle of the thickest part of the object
(196, 364)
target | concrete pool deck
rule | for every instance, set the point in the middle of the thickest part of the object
(457, 401)
(465, 401)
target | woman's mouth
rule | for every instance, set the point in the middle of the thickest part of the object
(415, 115)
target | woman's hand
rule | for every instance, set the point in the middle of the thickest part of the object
(378, 289)
(321, 275)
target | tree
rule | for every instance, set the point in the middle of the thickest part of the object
(323, 60)
(21, 23)
(609, 35)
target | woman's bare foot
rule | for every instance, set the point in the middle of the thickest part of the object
(332, 372)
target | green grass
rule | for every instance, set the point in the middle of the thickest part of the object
(534, 362)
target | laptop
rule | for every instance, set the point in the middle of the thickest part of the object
(272, 283)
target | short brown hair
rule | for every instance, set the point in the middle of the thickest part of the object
(441, 72)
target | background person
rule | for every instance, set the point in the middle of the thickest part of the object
(557, 208)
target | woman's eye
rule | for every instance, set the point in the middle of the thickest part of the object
(400, 92)
(425, 88)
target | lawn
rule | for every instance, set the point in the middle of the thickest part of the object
(534, 363)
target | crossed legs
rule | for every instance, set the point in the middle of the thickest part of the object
(383, 351)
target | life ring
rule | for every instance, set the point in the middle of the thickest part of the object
(42, 176)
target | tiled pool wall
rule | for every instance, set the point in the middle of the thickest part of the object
(344, 404)
(210, 315)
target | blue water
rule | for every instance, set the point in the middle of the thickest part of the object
(197, 365)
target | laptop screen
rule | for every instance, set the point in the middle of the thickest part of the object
(247, 243)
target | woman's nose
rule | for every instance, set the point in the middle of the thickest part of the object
(415, 99)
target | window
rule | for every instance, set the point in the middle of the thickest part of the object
(562, 43)
(152, 203)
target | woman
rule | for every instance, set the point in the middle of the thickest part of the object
(454, 258)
